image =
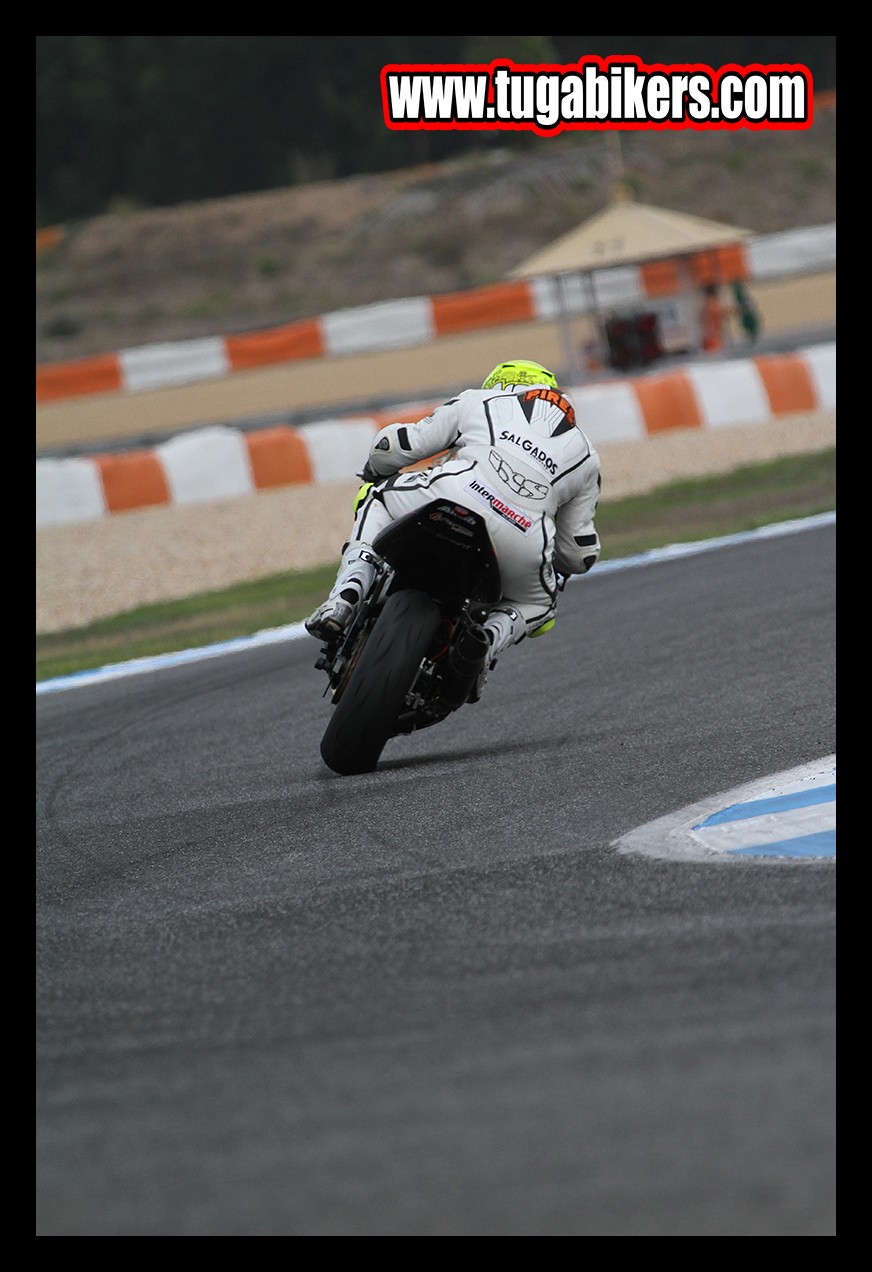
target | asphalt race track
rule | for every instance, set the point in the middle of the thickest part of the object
(436, 1000)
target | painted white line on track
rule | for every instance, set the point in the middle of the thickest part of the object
(294, 631)
(675, 551)
(788, 816)
(140, 666)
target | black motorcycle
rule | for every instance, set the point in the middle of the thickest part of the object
(416, 650)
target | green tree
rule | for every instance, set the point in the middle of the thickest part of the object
(161, 119)
(529, 50)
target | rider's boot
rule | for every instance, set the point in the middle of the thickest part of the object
(335, 615)
(503, 627)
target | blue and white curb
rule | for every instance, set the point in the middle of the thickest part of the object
(789, 816)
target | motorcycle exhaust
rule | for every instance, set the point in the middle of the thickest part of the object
(466, 662)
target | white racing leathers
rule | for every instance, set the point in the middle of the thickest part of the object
(517, 456)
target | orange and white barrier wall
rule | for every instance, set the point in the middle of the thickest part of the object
(418, 320)
(223, 462)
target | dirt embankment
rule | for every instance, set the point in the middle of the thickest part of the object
(259, 260)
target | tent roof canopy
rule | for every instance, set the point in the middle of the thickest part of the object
(627, 233)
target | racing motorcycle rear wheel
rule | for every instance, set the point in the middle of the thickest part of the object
(365, 717)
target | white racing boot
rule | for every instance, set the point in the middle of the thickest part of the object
(503, 627)
(335, 615)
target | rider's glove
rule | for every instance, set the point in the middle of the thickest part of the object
(368, 473)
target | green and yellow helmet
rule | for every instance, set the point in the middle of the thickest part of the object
(520, 372)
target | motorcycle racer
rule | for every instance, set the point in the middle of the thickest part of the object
(513, 452)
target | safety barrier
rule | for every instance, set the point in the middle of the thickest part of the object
(417, 320)
(224, 462)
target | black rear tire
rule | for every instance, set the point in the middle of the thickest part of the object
(365, 717)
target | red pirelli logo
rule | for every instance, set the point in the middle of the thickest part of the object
(553, 398)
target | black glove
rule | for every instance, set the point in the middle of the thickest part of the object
(369, 473)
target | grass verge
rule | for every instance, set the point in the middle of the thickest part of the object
(682, 512)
